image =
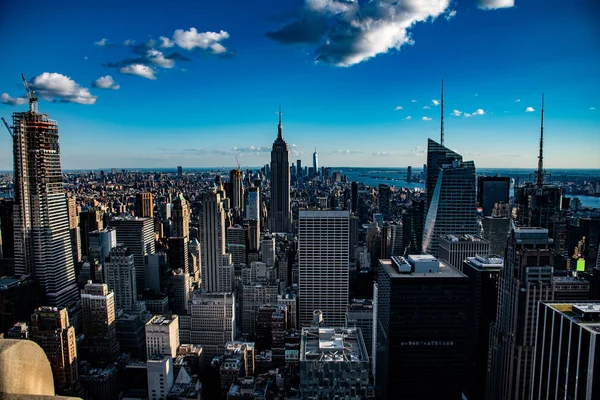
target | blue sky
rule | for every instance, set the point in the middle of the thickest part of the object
(209, 89)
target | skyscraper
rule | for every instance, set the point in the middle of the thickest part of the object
(526, 279)
(41, 222)
(89, 220)
(454, 249)
(144, 205)
(384, 200)
(99, 324)
(237, 190)
(280, 216)
(120, 276)
(492, 190)
(7, 228)
(50, 329)
(162, 335)
(181, 217)
(323, 241)
(316, 162)
(451, 207)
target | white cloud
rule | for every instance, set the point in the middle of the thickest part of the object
(140, 70)
(450, 15)
(435, 102)
(204, 40)
(383, 153)
(456, 113)
(13, 101)
(53, 86)
(426, 108)
(517, 100)
(479, 111)
(398, 108)
(347, 151)
(495, 4)
(129, 42)
(101, 42)
(426, 119)
(592, 108)
(166, 42)
(106, 82)
(158, 58)
(529, 109)
(413, 101)
(467, 115)
(409, 117)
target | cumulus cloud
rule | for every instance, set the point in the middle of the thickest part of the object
(467, 115)
(426, 119)
(53, 86)
(129, 42)
(495, 4)
(409, 117)
(413, 101)
(479, 111)
(158, 58)
(140, 70)
(435, 102)
(101, 42)
(592, 108)
(348, 32)
(250, 149)
(5, 98)
(450, 15)
(165, 42)
(192, 39)
(106, 82)
(398, 108)
(426, 108)
(456, 113)
(517, 100)
(529, 109)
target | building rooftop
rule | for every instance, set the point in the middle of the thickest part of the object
(444, 271)
(162, 320)
(585, 314)
(490, 261)
(462, 238)
(332, 345)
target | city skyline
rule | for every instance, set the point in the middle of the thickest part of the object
(227, 75)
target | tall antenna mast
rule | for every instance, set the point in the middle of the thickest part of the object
(442, 117)
(540, 171)
(279, 128)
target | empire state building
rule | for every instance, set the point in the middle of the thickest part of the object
(280, 217)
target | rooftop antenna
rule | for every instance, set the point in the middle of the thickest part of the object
(540, 173)
(442, 117)
(279, 128)
(33, 105)
(237, 161)
(8, 127)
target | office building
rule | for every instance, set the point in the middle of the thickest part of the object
(396, 246)
(280, 215)
(409, 174)
(267, 247)
(41, 222)
(237, 191)
(131, 335)
(120, 276)
(454, 249)
(236, 245)
(333, 364)
(315, 163)
(19, 295)
(254, 295)
(144, 205)
(299, 168)
(526, 279)
(323, 241)
(98, 383)
(153, 265)
(181, 291)
(137, 234)
(496, 228)
(160, 376)
(99, 324)
(217, 267)
(195, 259)
(384, 200)
(492, 190)
(74, 229)
(178, 254)
(100, 243)
(567, 361)
(51, 330)
(451, 206)
(354, 196)
(271, 326)
(90, 220)
(360, 315)
(210, 322)
(7, 228)
(570, 288)
(421, 328)
(162, 335)
(180, 215)
(483, 272)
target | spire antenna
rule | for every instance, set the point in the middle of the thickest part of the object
(279, 127)
(442, 117)
(540, 173)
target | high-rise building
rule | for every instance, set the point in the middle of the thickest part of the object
(195, 259)
(409, 174)
(280, 215)
(74, 229)
(492, 190)
(41, 221)
(567, 360)
(181, 217)
(360, 315)
(451, 207)
(7, 228)
(131, 335)
(179, 254)
(526, 279)
(181, 291)
(99, 324)
(90, 220)
(179, 171)
(18, 296)
(421, 328)
(51, 330)
(384, 200)
(137, 234)
(299, 168)
(496, 228)
(217, 267)
(162, 335)
(160, 376)
(237, 190)
(101, 243)
(120, 276)
(396, 247)
(337, 356)
(323, 240)
(210, 322)
(354, 196)
(271, 325)
(144, 205)
(236, 245)
(483, 272)
(454, 249)
(316, 163)
(267, 247)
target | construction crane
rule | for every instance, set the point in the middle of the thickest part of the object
(8, 127)
(31, 95)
